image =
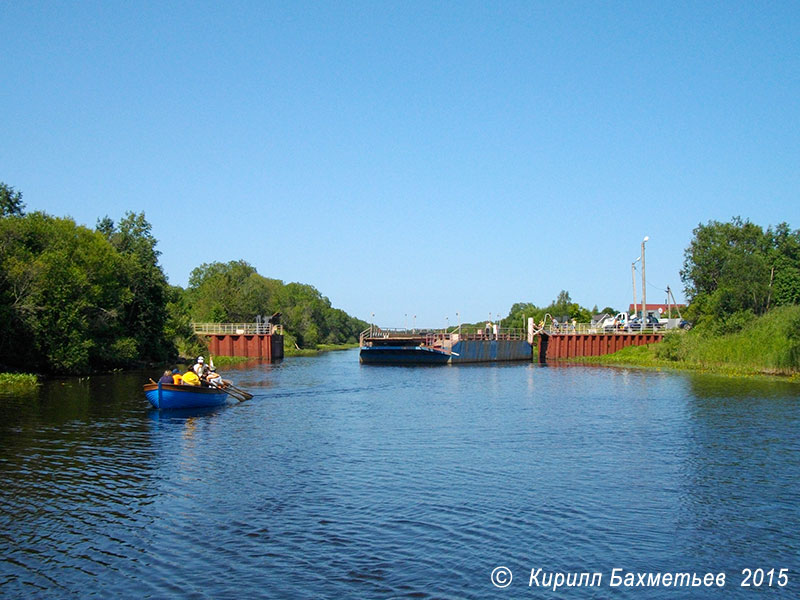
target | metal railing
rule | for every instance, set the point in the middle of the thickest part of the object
(442, 336)
(237, 329)
(594, 329)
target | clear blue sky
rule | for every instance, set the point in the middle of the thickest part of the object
(402, 157)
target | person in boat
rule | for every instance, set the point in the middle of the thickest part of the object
(166, 378)
(177, 378)
(191, 378)
(200, 368)
(214, 379)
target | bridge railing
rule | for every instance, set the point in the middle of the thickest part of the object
(237, 329)
(473, 333)
(450, 335)
(590, 328)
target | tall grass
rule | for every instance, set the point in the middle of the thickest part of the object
(18, 380)
(226, 361)
(769, 344)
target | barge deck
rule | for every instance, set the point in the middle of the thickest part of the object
(382, 346)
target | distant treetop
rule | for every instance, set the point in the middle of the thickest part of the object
(10, 201)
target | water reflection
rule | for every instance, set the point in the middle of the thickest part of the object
(740, 487)
(75, 475)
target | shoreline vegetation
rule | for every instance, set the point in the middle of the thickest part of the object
(768, 345)
(76, 301)
(318, 350)
(18, 382)
(21, 381)
(223, 361)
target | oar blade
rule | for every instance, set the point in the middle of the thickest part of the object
(234, 394)
(247, 395)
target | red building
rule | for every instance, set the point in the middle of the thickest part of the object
(662, 310)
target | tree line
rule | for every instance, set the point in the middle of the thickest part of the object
(563, 309)
(735, 271)
(75, 299)
(235, 292)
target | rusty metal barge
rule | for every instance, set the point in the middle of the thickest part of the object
(415, 347)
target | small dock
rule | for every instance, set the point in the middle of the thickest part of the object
(253, 340)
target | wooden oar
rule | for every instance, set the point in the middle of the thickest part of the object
(247, 395)
(234, 395)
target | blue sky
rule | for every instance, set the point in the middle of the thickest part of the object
(409, 158)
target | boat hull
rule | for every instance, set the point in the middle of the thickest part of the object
(162, 395)
(403, 355)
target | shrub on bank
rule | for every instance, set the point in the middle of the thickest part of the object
(770, 343)
(18, 380)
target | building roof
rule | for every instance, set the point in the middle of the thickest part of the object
(659, 308)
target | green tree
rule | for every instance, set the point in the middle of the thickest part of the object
(235, 292)
(144, 312)
(785, 263)
(735, 270)
(10, 201)
(178, 327)
(561, 307)
(59, 294)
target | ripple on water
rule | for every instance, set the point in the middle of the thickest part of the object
(344, 481)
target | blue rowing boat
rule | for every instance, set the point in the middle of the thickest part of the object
(164, 395)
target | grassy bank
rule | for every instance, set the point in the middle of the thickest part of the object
(767, 345)
(224, 361)
(18, 381)
(316, 351)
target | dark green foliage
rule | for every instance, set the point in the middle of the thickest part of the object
(10, 201)
(786, 265)
(73, 299)
(59, 294)
(734, 271)
(178, 327)
(671, 348)
(144, 312)
(234, 292)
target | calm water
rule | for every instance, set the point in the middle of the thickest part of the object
(346, 481)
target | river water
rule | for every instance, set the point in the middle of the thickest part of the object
(345, 481)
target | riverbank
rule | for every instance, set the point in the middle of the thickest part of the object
(223, 361)
(766, 346)
(18, 382)
(316, 351)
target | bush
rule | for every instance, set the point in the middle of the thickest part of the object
(671, 347)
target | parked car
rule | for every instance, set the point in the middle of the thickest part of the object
(651, 322)
(616, 323)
